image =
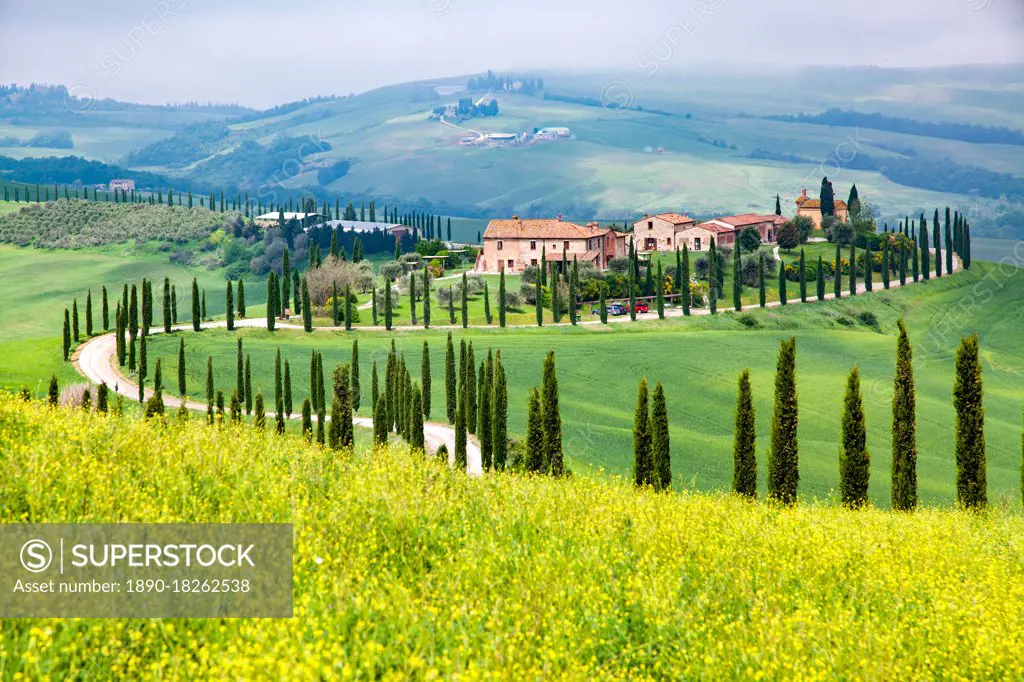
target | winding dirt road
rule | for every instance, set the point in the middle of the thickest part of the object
(96, 360)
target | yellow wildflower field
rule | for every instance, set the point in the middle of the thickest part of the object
(404, 569)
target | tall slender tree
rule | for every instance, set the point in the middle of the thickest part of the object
(501, 299)
(643, 457)
(854, 457)
(853, 268)
(971, 482)
(499, 415)
(534, 434)
(106, 310)
(464, 295)
(660, 446)
(449, 380)
(803, 276)
(552, 418)
(196, 313)
(737, 279)
(783, 458)
(425, 380)
(821, 279)
(744, 445)
(904, 427)
(426, 311)
(230, 308)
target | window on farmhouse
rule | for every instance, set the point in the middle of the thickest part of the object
(565, 245)
(533, 246)
(500, 245)
(650, 224)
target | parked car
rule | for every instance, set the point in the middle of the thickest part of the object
(616, 309)
(641, 307)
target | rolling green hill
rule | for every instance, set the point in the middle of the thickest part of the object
(721, 154)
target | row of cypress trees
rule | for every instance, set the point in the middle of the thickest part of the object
(854, 455)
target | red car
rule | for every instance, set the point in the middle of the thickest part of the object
(641, 307)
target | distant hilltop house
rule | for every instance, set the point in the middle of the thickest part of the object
(271, 219)
(449, 90)
(394, 229)
(669, 231)
(812, 209)
(552, 133)
(123, 184)
(513, 245)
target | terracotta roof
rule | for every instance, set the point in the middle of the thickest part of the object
(715, 227)
(590, 256)
(805, 202)
(673, 218)
(747, 219)
(548, 228)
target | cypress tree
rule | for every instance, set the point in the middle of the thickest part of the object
(552, 418)
(416, 437)
(854, 457)
(451, 306)
(837, 276)
(102, 398)
(460, 426)
(449, 380)
(119, 337)
(659, 291)
(348, 308)
(744, 444)
(602, 307)
(342, 406)
(387, 304)
(143, 367)
(535, 434)
(287, 389)
(373, 306)
(783, 296)
(487, 304)
(196, 319)
(272, 294)
(335, 306)
(307, 309)
(307, 421)
(88, 313)
(248, 385)
(971, 484)
(357, 398)
(783, 458)
(685, 291)
(380, 417)
(426, 303)
(174, 304)
(643, 457)
(483, 417)
(67, 336)
(938, 244)
(235, 408)
(501, 299)
(465, 304)
(660, 447)
(821, 279)
(74, 319)
(53, 394)
(209, 380)
(853, 268)
(471, 387)
(131, 355)
(239, 368)
(803, 277)
(230, 308)
(182, 387)
(374, 388)
(926, 267)
(903, 264)
(499, 415)
(904, 427)
(286, 282)
(278, 379)
(712, 278)
(425, 379)
(105, 311)
(260, 418)
(241, 299)
(539, 296)
(886, 262)
(166, 307)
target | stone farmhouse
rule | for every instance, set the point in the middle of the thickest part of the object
(812, 209)
(660, 232)
(513, 245)
(669, 231)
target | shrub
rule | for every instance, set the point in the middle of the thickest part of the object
(74, 395)
(321, 280)
(513, 300)
(750, 239)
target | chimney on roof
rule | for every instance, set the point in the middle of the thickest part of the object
(515, 216)
(803, 194)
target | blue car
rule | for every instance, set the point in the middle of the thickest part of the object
(615, 309)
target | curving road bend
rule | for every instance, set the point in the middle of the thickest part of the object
(95, 359)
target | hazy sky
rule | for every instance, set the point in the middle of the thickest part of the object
(261, 53)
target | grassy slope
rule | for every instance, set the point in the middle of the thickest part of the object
(403, 569)
(30, 312)
(699, 359)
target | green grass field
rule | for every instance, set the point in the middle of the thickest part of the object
(699, 359)
(404, 569)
